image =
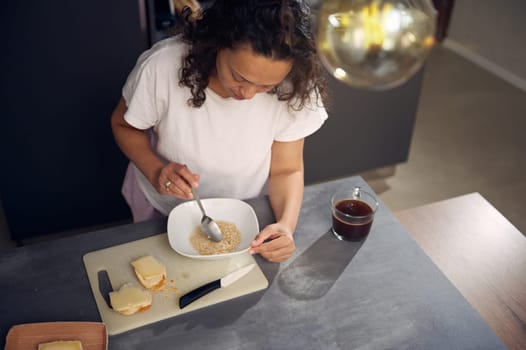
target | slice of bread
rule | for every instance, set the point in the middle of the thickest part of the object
(61, 345)
(130, 300)
(150, 272)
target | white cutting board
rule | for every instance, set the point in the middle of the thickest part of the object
(183, 274)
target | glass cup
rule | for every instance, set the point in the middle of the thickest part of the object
(352, 214)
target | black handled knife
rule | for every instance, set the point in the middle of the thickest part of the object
(227, 280)
(105, 287)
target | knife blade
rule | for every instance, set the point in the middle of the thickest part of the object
(225, 281)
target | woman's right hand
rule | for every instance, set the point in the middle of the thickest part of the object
(169, 179)
(176, 180)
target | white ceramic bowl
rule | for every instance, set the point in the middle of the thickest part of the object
(184, 218)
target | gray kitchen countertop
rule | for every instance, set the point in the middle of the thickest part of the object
(383, 293)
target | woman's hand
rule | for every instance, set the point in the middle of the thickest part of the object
(169, 179)
(177, 180)
(275, 243)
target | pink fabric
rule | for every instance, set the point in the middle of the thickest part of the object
(140, 207)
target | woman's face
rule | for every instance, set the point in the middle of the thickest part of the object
(240, 73)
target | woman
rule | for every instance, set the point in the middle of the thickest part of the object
(227, 104)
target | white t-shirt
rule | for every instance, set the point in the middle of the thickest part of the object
(226, 141)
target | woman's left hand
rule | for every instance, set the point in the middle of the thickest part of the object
(275, 243)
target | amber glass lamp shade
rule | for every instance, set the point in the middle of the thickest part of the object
(375, 44)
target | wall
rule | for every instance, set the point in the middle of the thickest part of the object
(492, 32)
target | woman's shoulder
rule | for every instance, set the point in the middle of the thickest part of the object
(165, 53)
(169, 45)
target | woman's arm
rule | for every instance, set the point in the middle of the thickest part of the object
(285, 194)
(286, 182)
(135, 144)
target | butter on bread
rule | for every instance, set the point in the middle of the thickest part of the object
(150, 272)
(61, 345)
(129, 300)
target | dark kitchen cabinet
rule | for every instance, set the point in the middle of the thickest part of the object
(365, 130)
(63, 67)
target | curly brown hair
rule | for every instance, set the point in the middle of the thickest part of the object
(279, 29)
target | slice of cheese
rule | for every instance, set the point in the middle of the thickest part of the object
(129, 300)
(61, 345)
(150, 272)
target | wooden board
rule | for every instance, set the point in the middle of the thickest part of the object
(183, 275)
(482, 254)
(27, 336)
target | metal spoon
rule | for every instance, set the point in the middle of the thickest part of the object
(208, 225)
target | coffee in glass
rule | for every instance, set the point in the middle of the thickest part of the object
(352, 214)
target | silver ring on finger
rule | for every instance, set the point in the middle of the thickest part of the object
(167, 185)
